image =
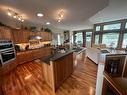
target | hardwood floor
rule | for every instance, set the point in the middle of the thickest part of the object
(27, 79)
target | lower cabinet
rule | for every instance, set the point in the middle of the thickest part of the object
(26, 56)
(114, 85)
(63, 68)
(108, 89)
(114, 65)
(8, 67)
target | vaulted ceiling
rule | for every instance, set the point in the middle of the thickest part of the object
(77, 12)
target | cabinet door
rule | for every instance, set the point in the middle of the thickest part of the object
(43, 34)
(63, 68)
(46, 36)
(5, 33)
(18, 36)
(21, 36)
(49, 36)
(26, 35)
(59, 72)
(24, 57)
(38, 34)
(114, 65)
(108, 89)
(125, 71)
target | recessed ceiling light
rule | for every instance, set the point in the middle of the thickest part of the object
(19, 18)
(40, 15)
(9, 14)
(14, 16)
(59, 20)
(48, 23)
(61, 16)
(22, 20)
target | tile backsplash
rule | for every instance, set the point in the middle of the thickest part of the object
(33, 45)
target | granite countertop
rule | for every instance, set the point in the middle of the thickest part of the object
(102, 56)
(55, 56)
(116, 52)
(22, 51)
(79, 50)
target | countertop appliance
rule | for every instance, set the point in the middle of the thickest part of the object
(7, 51)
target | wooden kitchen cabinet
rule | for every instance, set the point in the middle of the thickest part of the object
(7, 67)
(114, 65)
(108, 89)
(24, 57)
(17, 36)
(30, 55)
(49, 36)
(114, 85)
(63, 68)
(21, 36)
(46, 36)
(115, 76)
(125, 71)
(26, 35)
(5, 33)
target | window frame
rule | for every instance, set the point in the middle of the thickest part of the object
(109, 33)
(125, 32)
(121, 31)
(96, 28)
(82, 37)
(95, 39)
(125, 25)
(112, 29)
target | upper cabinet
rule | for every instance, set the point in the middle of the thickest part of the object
(5, 33)
(46, 36)
(22, 36)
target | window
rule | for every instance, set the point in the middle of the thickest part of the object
(124, 45)
(126, 25)
(88, 39)
(58, 38)
(98, 28)
(112, 26)
(79, 38)
(88, 36)
(96, 39)
(110, 39)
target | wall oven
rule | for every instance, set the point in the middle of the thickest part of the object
(7, 51)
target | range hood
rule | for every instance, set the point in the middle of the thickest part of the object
(36, 37)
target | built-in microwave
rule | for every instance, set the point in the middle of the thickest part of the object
(7, 51)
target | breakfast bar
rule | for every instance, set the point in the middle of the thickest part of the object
(57, 68)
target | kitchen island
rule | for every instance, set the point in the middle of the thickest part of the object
(57, 68)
